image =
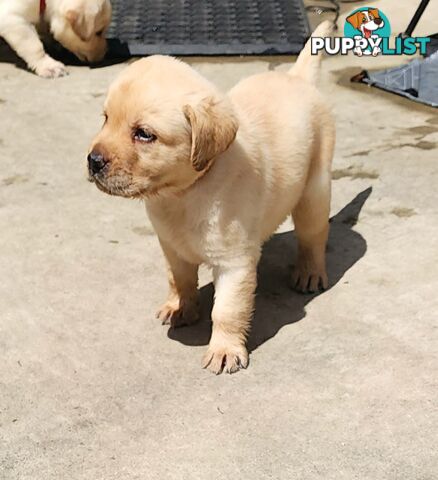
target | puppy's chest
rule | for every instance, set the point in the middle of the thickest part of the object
(196, 233)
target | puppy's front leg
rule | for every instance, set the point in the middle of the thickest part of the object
(231, 316)
(24, 39)
(182, 306)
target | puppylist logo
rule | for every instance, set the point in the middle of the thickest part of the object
(367, 31)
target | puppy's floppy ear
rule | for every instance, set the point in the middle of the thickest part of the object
(375, 12)
(214, 127)
(82, 23)
(355, 20)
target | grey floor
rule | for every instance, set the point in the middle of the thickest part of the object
(340, 386)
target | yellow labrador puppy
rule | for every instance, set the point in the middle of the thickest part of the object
(78, 25)
(218, 174)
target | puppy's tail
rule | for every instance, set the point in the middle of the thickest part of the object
(307, 65)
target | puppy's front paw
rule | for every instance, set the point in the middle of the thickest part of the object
(309, 280)
(225, 358)
(49, 68)
(178, 313)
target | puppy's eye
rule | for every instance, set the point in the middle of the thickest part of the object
(99, 33)
(143, 136)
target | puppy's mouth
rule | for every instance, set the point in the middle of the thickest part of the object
(120, 187)
(367, 33)
(371, 28)
(81, 57)
(89, 58)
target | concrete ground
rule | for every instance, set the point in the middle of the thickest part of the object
(340, 386)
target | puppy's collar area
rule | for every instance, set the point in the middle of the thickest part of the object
(42, 7)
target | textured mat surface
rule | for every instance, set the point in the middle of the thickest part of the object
(208, 27)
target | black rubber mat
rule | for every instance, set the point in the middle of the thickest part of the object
(208, 27)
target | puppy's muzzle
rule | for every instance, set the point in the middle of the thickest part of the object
(96, 163)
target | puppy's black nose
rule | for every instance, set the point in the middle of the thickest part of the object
(378, 21)
(96, 162)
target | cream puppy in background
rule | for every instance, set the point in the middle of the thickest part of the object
(218, 174)
(78, 25)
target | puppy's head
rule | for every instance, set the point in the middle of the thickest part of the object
(80, 26)
(164, 125)
(367, 21)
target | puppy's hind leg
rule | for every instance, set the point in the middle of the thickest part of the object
(182, 305)
(311, 217)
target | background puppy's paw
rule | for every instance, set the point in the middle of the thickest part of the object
(178, 313)
(47, 67)
(225, 358)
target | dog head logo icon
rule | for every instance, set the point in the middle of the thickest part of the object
(369, 24)
(366, 21)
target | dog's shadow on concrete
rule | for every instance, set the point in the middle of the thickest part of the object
(113, 57)
(7, 55)
(277, 304)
